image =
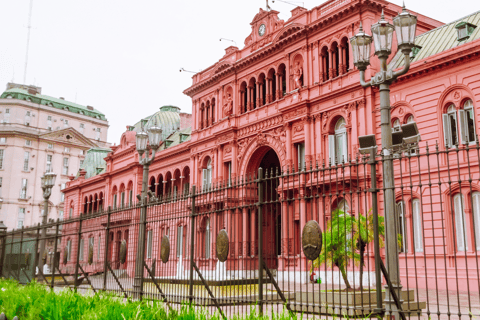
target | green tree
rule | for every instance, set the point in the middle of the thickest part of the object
(364, 234)
(338, 244)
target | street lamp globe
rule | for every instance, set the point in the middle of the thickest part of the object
(142, 140)
(42, 181)
(361, 46)
(49, 179)
(405, 27)
(154, 136)
(382, 36)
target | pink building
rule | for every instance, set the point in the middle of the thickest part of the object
(40, 133)
(291, 96)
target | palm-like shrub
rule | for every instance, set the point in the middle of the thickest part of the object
(364, 234)
(338, 244)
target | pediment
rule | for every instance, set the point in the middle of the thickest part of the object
(288, 30)
(68, 135)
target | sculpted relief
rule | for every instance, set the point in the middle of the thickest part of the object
(228, 103)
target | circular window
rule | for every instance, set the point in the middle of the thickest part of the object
(68, 137)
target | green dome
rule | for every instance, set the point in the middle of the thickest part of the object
(168, 118)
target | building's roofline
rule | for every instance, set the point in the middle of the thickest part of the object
(22, 94)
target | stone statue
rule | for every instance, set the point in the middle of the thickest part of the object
(228, 106)
(297, 75)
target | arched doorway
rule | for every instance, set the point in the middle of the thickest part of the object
(267, 159)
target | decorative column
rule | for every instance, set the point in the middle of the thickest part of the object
(194, 115)
(249, 98)
(308, 144)
(331, 72)
(253, 232)
(289, 145)
(234, 159)
(164, 187)
(245, 235)
(318, 137)
(220, 163)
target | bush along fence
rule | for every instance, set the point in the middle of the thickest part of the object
(312, 238)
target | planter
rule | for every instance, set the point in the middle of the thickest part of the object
(353, 304)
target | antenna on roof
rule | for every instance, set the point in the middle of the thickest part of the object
(181, 69)
(293, 3)
(29, 27)
(268, 7)
(229, 39)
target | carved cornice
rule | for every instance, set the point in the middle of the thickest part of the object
(259, 126)
(295, 113)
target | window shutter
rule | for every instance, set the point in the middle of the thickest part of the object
(331, 149)
(459, 222)
(345, 148)
(417, 226)
(463, 127)
(446, 131)
(476, 218)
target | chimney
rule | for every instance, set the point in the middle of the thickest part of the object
(62, 98)
(90, 108)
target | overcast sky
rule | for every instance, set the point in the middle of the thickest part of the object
(123, 56)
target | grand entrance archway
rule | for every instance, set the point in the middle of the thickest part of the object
(266, 158)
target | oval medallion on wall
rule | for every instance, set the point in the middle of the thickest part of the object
(312, 240)
(122, 256)
(165, 249)
(222, 245)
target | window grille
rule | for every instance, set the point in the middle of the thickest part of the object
(65, 166)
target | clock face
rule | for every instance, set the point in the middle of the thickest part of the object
(261, 30)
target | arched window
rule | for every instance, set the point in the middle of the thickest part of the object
(461, 232)
(411, 119)
(338, 143)
(467, 123)
(207, 175)
(324, 64)
(417, 226)
(343, 206)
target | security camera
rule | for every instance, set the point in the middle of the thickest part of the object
(368, 144)
(410, 133)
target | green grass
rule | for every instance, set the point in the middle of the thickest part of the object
(35, 301)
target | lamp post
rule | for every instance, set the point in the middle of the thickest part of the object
(153, 136)
(404, 25)
(3, 245)
(48, 181)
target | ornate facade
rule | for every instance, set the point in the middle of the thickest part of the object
(291, 98)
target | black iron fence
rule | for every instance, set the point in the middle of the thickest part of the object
(300, 240)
